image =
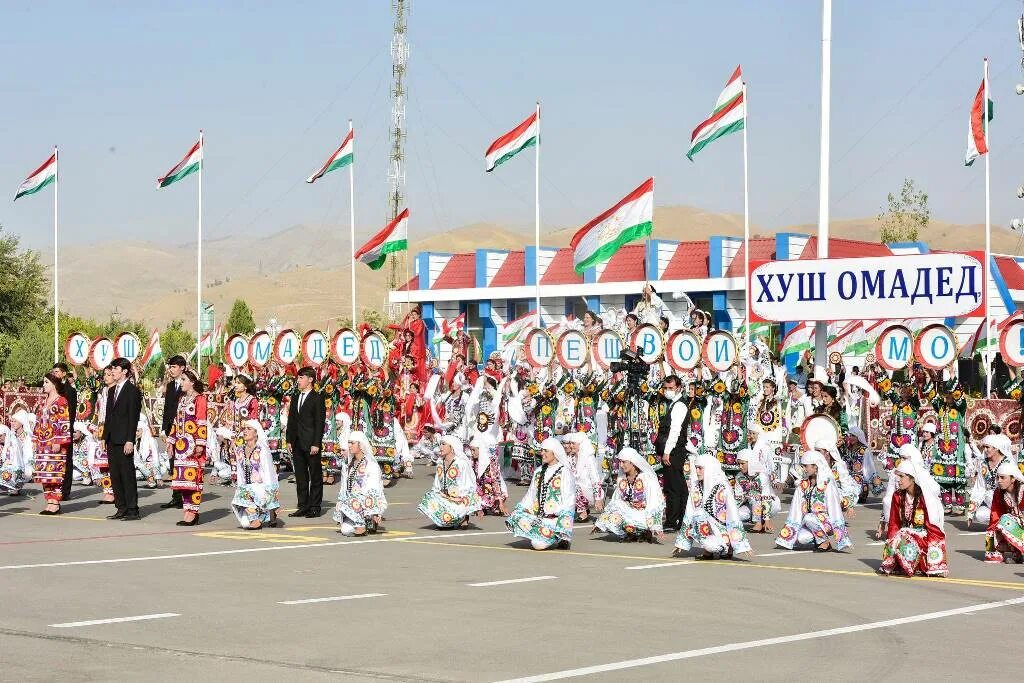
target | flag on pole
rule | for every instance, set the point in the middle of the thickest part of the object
(798, 340)
(389, 240)
(187, 166)
(756, 330)
(342, 157)
(971, 345)
(728, 116)
(844, 337)
(512, 143)
(512, 330)
(449, 328)
(977, 141)
(153, 352)
(210, 341)
(39, 178)
(631, 219)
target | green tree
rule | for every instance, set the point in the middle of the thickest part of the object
(905, 216)
(31, 352)
(23, 285)
(240, 321)
(176, 339)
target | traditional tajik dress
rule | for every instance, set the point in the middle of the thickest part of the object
(361, 495)
(816, 512)
(52, 434)
(915, 541)
(490, 484)
(257, 492)
(188, 437)
(453, 496)
(147, 455)
(13, 469)
(1006, 526)
(545, 514)
(949, 464)
(712, 519)
(636, 506)
(589, 477)
(99, 461)
(755, 497)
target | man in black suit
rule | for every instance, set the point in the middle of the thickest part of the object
(124, 405)
(172, 394)
(70, 395)
(670, 444)
(305, 435)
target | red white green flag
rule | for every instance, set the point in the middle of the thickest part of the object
(39, 178)
(513, 329)
(153, 352)
(977, 126)
(631, 219)
(342, 157)
(798, 340)
(526, 134)
(394, 237)
(728, 116)
(192, 162)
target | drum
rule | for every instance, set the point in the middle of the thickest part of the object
(819, 428)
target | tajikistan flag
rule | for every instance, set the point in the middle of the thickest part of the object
(513, 329)
(153, 352)
(39, 178)
(977, 124)
(526, 134)
(394, 237)
(728, 116)
(799, 339)
(192, 162)
(631, 219)
(342, 157)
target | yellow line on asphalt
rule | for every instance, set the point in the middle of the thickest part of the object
(666, 560)
(62, 516)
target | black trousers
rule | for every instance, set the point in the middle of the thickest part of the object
(676, 491)
(122, 478)
(309, 479)
(69, 471)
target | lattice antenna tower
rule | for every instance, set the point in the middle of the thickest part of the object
(396, 167)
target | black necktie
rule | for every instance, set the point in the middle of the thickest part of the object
(302, 399)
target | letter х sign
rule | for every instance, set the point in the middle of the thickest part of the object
(941, 285)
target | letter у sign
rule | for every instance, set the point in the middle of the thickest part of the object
(943, 285)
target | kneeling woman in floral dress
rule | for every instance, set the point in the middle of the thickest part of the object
(490, 485)
(453, 497)
(816, 512)
(257, 497)
(915, 542)
(637, 509)
(188, 439)
(361, 502)
(545, 514)
(712, 520)
(1004, 540)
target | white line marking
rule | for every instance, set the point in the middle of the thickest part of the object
(784, 552)
(237, 551)
(508, 581)
(972, 533)
(781, 640)
(334, 599)
(876, 543)
(661, 564)
(116, 620)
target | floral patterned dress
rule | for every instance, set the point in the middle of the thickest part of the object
(632, 510)
(361, 495)
(1006, 528)
(258, 491)
(711, 521)
(52, 434)
(546, 513)
(914, 544)
(903, 417)
(453, 496)
(188, 438)
(949, 463)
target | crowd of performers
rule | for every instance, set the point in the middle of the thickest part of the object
(702, 455)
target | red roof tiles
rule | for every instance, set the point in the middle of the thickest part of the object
(460, 273)
(626, 265)
(560, 270)
(840, 248)
(761, 249)
(1011, 271)
(512, 272)
(690, 262)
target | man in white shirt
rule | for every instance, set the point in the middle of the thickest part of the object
(671, 446)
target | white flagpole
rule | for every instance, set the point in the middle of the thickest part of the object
(821, 328)
(536, 220)
(746, 222)
(56, 279)
(199, 263)
(988, 242)
(352, 223)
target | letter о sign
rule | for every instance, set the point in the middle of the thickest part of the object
(76, 348)
(683, 351)
(236, 350)
(935, 347)
(895, 347)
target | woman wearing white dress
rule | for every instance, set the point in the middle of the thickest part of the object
(490, 484)
(637, 508)
(147, 456)
(453, 496)
(257, 496)
(545, 514)
(816, 512)
(712, 520)
(589, 479)
(361, 502)
(16, 454)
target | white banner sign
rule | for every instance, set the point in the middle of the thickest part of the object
(942, 285)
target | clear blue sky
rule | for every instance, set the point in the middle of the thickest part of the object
(124, 87)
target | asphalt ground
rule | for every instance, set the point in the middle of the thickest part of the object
(90, 599)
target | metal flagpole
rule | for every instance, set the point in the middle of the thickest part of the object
(199, 263)
(56, 279)
(746, 223)
(821, 328)
(536, 220)
(352, 223)
(988, 243)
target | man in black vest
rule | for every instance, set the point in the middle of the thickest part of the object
(124, 405)
(70, 395)
(306, 417)
(172, 394)
(671, 446)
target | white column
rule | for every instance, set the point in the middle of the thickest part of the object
(199, 263)
(989, 346)
(746, 224)
(56, 278)
(821, 328)
(536, 221)
(352, 223)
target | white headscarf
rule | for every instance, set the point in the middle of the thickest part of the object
(373, 478)
(485, 444)
(567, 500)
(713, 475)
(833, 497)
(915, 467)
(754, 464)
(1001, 443)
(1009, 470)
(364, 444)
(26, 420)
(456, 443)
(652, 489)
(12, 449)
(267, 471)
(588, 469)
